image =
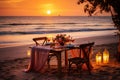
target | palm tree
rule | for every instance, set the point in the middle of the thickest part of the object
(94, 6)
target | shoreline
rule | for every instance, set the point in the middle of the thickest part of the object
(99, 40)
(15, 52)
(77, 40)
(19, 40)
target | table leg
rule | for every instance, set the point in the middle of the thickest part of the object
(66, 59)
(59, 63)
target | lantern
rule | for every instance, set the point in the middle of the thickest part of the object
(105, 56)
(98, 58)
(29, 52)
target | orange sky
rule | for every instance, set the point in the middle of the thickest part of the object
(40, 7)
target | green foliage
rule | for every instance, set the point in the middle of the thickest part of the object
(93, 7)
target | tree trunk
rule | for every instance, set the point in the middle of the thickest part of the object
(118, 54)
(116, 21)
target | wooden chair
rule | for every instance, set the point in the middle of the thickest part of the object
(41, 41)
(36, 40)
(84, 58)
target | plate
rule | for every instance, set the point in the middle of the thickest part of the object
(69, 45)
(48, 43)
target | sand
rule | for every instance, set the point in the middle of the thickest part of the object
(13, 61)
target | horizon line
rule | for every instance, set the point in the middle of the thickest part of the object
(51, 16)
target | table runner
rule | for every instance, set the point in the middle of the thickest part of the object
(39, 56)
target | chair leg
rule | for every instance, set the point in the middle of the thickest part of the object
(78, 68)
(48, 62)
(88, 66)
(69, 67)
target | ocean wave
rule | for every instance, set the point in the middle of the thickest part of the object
(48, 27)
(94, 24)
(54, 25)
(36, 23)
(85, 24)
(7, 42)
(55, 31)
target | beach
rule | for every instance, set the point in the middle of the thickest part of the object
(14, 60)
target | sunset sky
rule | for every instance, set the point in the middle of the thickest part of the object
(41, 8)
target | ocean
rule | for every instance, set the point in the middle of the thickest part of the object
(21, 29)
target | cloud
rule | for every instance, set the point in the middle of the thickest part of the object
(9, 4)
(11, 1)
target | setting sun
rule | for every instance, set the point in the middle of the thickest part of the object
(48, 12)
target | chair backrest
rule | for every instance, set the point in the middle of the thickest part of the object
(39, 40)
(85, 50)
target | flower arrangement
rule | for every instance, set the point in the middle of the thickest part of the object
(63, 39)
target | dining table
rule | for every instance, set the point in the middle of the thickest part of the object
(42, 52)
